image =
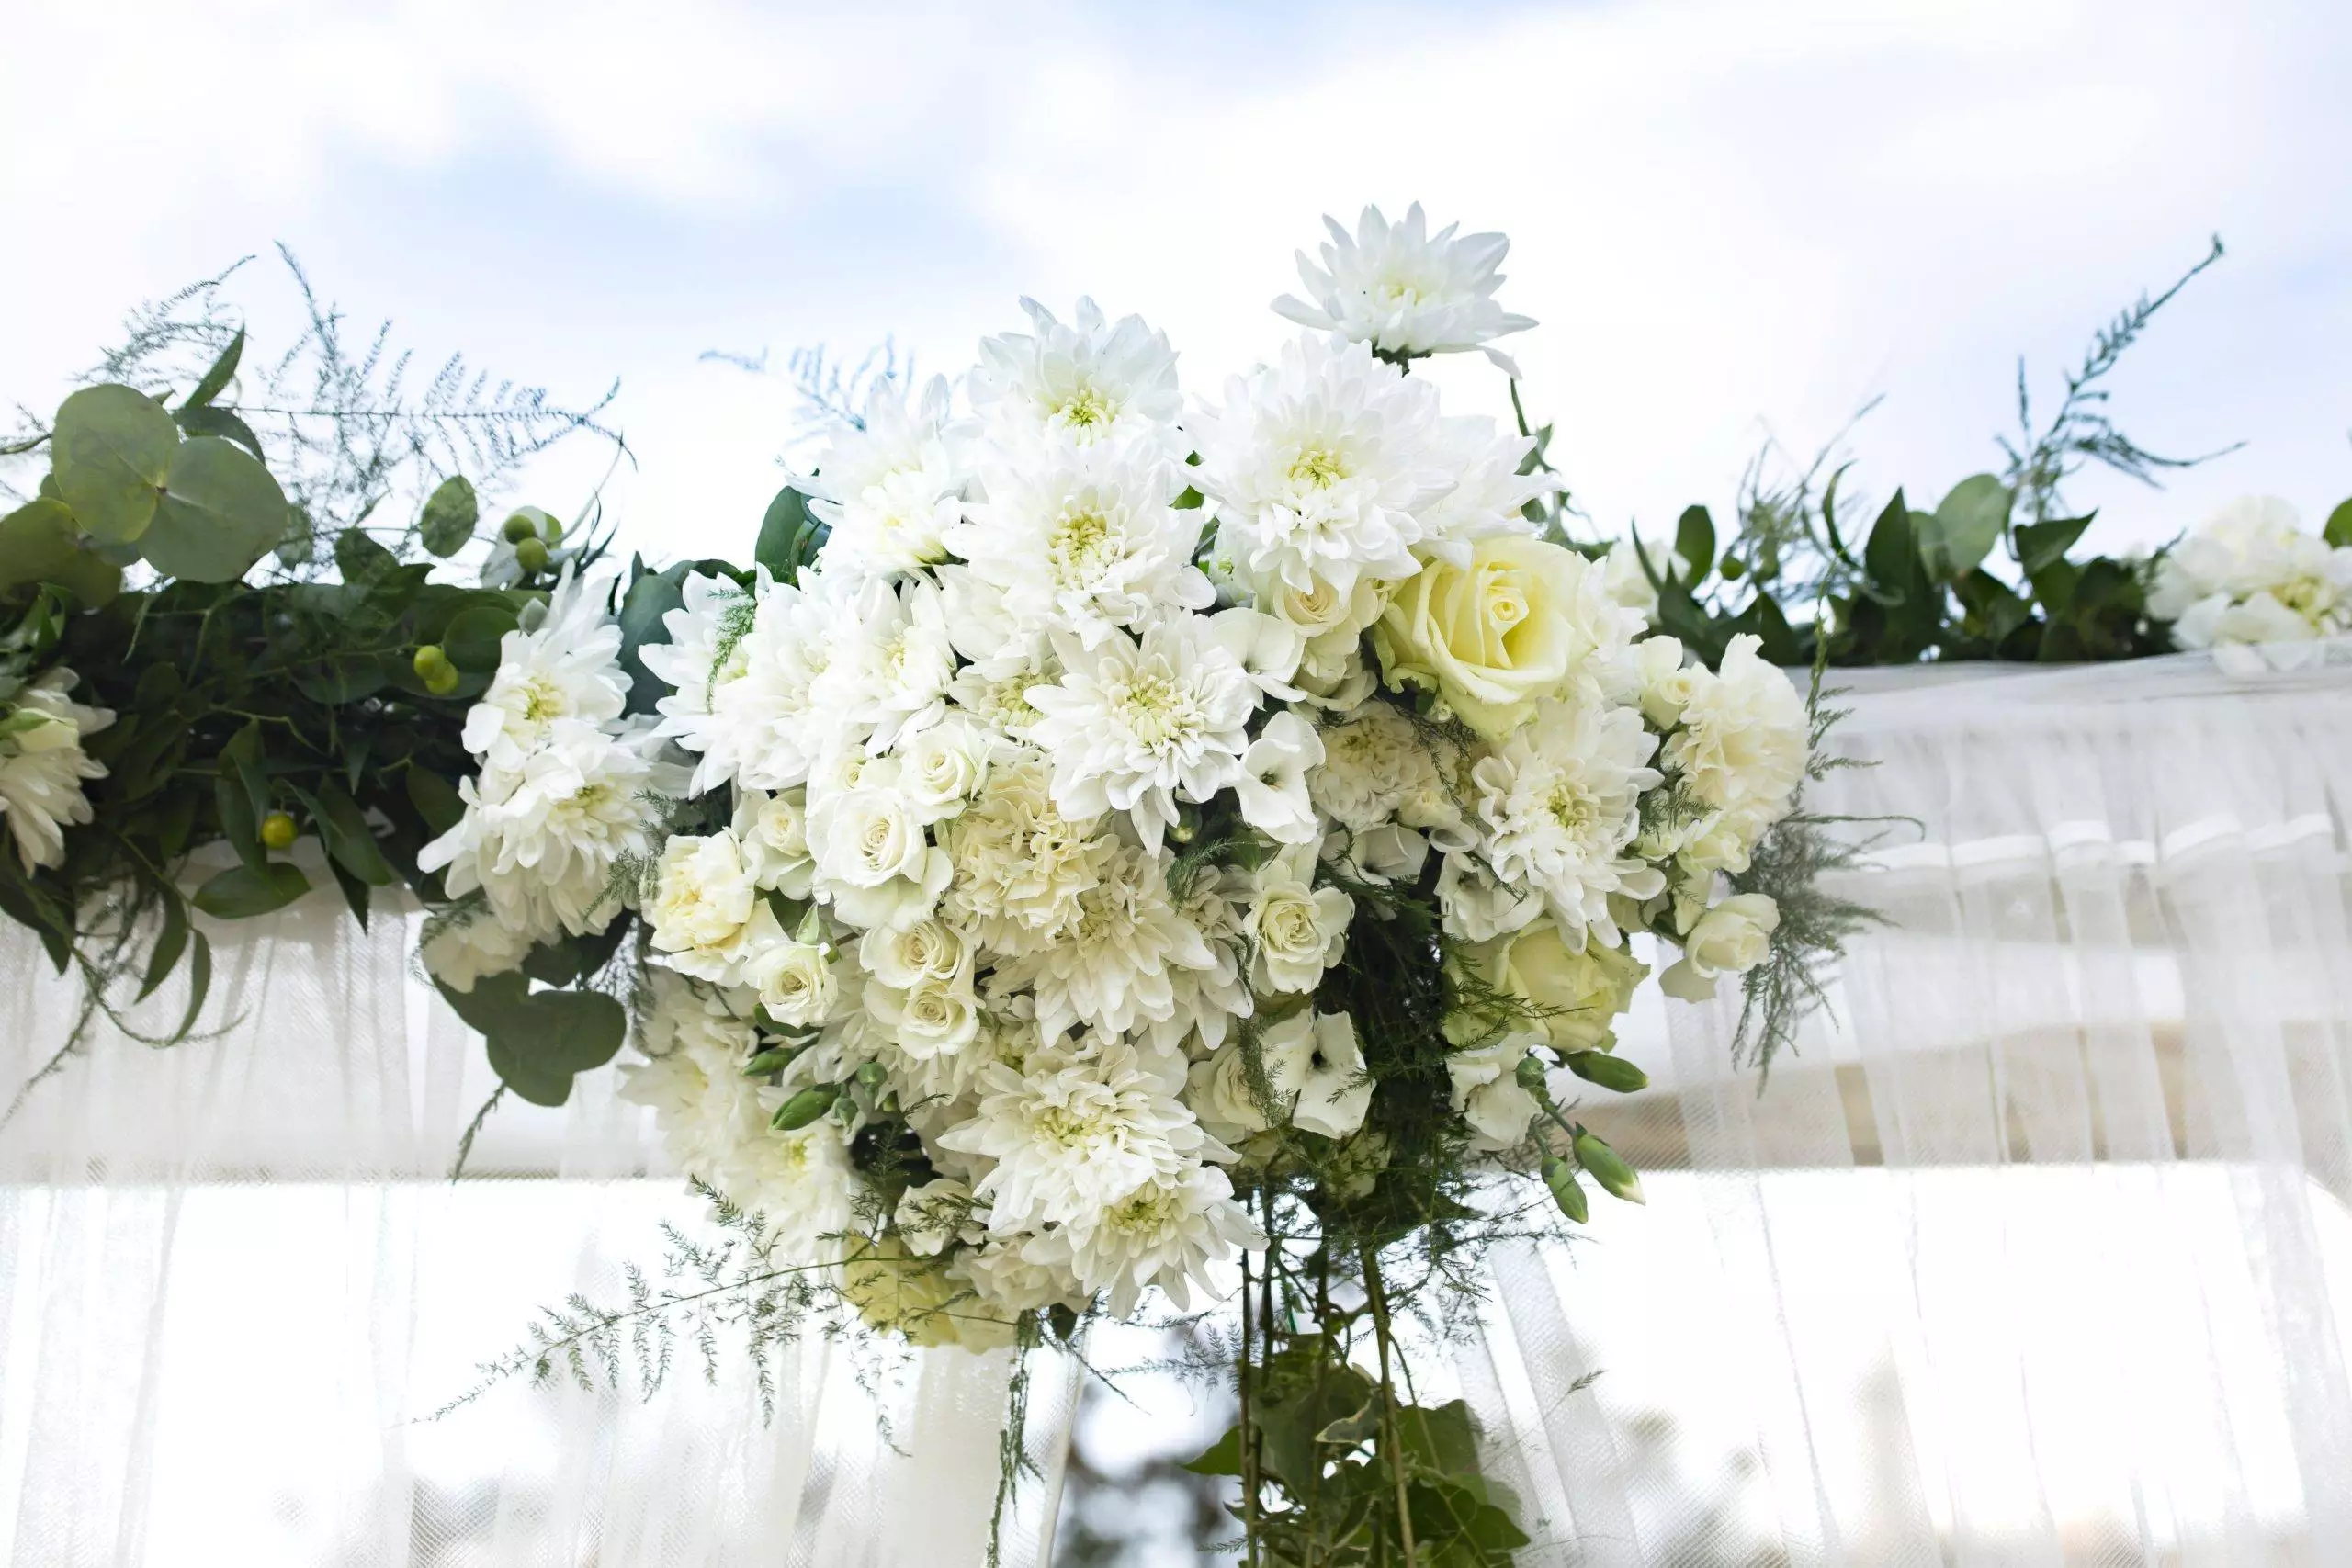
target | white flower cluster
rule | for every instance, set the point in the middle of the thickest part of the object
(1033, 805)
(563, 799)
(2249, 575)
(42, 765)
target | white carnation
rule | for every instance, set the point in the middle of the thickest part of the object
(702, 908)
(1743, 740)
(1019, 866)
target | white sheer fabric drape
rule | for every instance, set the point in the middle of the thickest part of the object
(2037, 1251)
(235, 1283)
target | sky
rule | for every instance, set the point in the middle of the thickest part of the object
(1731, 220)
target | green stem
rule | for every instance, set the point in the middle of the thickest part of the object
(1393, 1449)
(1249, 1432)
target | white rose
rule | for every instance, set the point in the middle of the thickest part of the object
(1297, 928)
(772, 831)
(1218, 1093)
(926, 1020)
(1730, 939)
(873, 861)
(1478, 907)
(796, 982)
(1664, 679)
(1488, 1093)
(941, 768)
(937, 1214)
(927, 949)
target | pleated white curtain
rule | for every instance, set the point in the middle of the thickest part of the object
(235, 1283)
(2038, 1252)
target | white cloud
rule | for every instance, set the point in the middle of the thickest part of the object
(1726, 216)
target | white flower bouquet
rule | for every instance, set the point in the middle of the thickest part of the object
(1128, 845)
(2251, 586)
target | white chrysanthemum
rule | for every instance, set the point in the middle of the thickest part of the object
(888, 490)
(1135, 725)
(1488, 491)
(1082, 1127)
(1319, 466)
(1209, 999)
(891, 662)
(1085, 540)
(540, 841)
(1561, 801)
(1295, 929)
(1079, 384)
(566, 669)
(1114, 967)
(42, 766)
(1003, 1278)
(1406, 291)
(1744, 740)
(1020, 865)
(1167, 1233)
(2250, 575)
(705, 652)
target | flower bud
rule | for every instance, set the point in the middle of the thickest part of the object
(278, 830)
(1609, 1072)
(1608, 1168)
(869, 1074)
(804, 1107)
(773, 1060)
(1561, 1178)
(1530, 1075)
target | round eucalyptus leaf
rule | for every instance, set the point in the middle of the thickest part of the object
(473, 638)
(220, 513)
(110, 455)
(38, 542)
(449, 515)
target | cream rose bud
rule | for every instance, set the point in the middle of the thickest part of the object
(927, 949)
(934, 1215)
(873, 861)
(796, 982)
(1730, 939)
(1219, 1093)
(1298, 929)
(941, 768)
(773, 833)
(1487, 1091)
(1579, 992)
(1492, 638)
(927, 1020)
(702, 895)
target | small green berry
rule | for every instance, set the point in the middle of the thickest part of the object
(278, 830)
(519, 527)
(429, 662)
(531, 555)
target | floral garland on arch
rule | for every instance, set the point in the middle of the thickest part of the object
(1128, 848)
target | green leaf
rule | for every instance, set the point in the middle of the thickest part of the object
(243, 891)
(788, 535)
(355, 892)
(436, 799)
(1440, 1438)
(199, 981)
(651, 596)
(1220, 1458)
(39, 543)
(1694, 541)
(220, 513)
(170, 943)
(2042, 545)
(222, 424)
(539, 1040)
(1965, 527)
(109, 455)
(2338, 531)
(449, 515)
(361, 559)
(239, 822)
(473, 638)
(349, 840)
(215, 379)
(1891, 554)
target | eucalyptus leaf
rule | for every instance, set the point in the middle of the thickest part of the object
(110, 451)
(1694, 541)
(449, 517)
(2338, 531)
(220, 513)
(1965, 527)
(39, 543)
(474, 635)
